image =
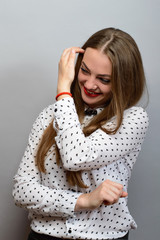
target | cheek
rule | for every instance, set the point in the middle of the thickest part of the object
(80, 78)
(106, 89)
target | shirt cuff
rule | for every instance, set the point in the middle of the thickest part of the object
(65, 115)
(67, 202)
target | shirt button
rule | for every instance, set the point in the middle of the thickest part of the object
(69, 231)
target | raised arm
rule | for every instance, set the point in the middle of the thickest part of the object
(99, 149)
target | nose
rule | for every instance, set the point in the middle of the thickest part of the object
(90, 83)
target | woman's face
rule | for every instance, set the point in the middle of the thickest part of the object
(94, 78)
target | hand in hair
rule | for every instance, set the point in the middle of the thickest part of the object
(67, 69)
(106, 193)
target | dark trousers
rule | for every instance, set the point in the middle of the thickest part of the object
(36, 236)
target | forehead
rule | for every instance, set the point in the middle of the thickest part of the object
(97, 61)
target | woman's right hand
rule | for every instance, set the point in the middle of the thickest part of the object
(66, 70)
(106, 193)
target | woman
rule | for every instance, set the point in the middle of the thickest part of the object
(74, 175)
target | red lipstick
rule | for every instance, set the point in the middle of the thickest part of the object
(91, 93)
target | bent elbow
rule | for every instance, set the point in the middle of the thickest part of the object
(69, 166)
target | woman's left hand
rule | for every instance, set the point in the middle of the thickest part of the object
(67, 69)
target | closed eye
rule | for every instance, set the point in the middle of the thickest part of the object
(104, 80)
(84, 70)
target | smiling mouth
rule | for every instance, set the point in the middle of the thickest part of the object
(90, 93)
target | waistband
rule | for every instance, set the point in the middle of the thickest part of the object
(38, 236)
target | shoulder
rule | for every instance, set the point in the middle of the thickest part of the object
(131, 116)
(135, 119)
(136, 114)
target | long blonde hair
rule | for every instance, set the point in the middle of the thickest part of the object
(127, 81)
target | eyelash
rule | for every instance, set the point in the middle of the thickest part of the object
(105, 81)
(83, 70)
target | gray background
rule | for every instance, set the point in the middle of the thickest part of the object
(33, 34)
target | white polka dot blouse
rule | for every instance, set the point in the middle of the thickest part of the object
(49, 198)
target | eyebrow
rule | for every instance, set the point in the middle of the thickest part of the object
(102, 75)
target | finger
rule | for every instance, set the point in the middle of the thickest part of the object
(65, 56)
(69, 58)
(78, 49)
(72, 55)
(117, 185)
(110, 186)
(124, 194)
(115, 190)
(73, 52)
(111, 197)
(66, 51)
(74, 49)
(119, 188)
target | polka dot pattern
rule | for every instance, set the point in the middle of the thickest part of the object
(49, 198)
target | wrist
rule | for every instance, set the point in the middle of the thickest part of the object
(82, 203)
(63, 95)
(63, 88)
(60, 90)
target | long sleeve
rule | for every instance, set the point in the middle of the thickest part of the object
(49, 197)
(99, 149)
(33, 192)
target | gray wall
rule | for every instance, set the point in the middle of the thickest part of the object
(33, 34)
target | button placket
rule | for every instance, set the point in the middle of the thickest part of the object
(70, 225)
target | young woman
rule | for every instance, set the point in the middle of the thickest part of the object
(74, 175)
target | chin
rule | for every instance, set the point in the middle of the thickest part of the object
(91, 104)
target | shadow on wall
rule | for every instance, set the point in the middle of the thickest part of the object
(20, 225)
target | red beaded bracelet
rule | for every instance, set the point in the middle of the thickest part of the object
(63, 93)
